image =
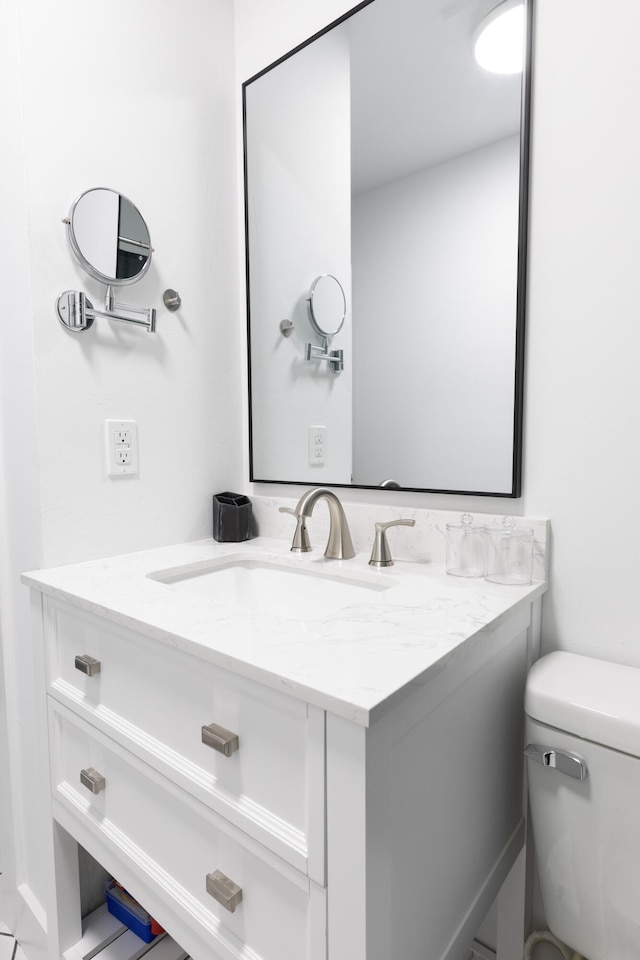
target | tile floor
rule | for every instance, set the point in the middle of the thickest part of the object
(9, 949)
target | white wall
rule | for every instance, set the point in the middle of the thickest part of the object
(582, 458)
(435, 259)
(142, 103)
(300, 203)
(20, 543)
(138, 98)
(267, 29)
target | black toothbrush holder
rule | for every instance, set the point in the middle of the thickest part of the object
(232, 521)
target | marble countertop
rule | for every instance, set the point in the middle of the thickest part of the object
(352, 655)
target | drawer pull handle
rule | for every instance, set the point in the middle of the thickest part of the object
(92, 780)
(224, 890)
(88, 665)
(224, 741)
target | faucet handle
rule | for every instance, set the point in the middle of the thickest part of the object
(381, 554)
(301, 542)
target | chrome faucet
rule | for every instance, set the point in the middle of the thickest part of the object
(339, 545)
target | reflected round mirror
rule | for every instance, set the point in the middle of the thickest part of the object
(109, 237)
(327, 305)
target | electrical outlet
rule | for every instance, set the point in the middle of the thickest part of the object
(317, 445)
(122, 447)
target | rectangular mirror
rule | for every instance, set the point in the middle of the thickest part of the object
(386, 178)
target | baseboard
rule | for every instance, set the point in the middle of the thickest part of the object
(479, 951)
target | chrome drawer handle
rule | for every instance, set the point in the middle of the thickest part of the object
(92, 780)
(224, 890)
(88, 665)
(562, 760)
(224, 741)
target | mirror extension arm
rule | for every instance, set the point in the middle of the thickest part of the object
(77, 313)
(335, 358)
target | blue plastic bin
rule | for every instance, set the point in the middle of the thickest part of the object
(128, 911)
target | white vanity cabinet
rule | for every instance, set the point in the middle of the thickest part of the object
(335, 832)
(169, 810)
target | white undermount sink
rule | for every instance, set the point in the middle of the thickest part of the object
(260, 584)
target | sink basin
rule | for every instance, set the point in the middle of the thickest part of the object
(274, 587)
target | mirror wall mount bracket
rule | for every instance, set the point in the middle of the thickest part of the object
(172, 300)
(335, 358)
(76, 312)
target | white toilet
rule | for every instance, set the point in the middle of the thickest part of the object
(583, 736)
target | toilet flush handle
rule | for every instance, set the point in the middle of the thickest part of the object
(568, 763)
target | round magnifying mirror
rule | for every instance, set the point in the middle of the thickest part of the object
(327, 305)
(109, 237)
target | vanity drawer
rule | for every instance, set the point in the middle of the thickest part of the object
(155, 700)
(172, 842)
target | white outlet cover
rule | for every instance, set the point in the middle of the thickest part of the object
(114, 431)
(317, 445)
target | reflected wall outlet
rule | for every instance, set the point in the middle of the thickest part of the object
(122, 447)
(317, 445)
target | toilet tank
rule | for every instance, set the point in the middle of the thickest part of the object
(587, 831)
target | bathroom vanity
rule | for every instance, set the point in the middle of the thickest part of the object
(282, 757)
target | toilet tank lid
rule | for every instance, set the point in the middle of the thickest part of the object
(592, 699)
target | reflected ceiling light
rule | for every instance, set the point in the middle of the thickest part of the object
(498, 43)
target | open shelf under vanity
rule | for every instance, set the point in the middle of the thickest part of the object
(105, 938)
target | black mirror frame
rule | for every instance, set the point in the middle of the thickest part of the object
(521, 299)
